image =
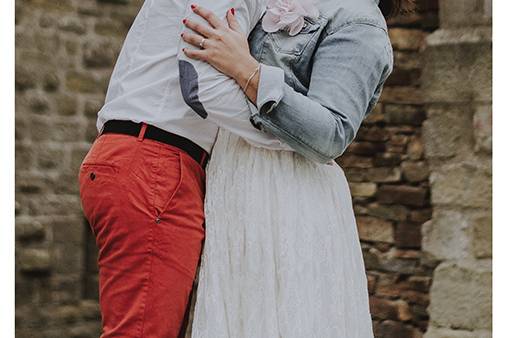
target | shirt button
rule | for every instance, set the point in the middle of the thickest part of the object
(157, 220)
(92, 176)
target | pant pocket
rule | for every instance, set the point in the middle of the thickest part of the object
(167, 182)
(98, 185)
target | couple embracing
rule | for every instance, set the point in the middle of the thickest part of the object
(269, 217)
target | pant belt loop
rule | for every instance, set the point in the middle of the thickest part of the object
(141, 133)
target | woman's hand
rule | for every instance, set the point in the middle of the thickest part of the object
(224, 46)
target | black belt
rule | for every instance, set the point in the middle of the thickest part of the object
(153, 133)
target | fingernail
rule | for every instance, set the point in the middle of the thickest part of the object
(184, 21)
(193, 6)
(232, 11)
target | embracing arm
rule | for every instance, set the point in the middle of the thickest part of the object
(212, 94)
(349, 69)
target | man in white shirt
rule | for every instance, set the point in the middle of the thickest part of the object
(142, 183)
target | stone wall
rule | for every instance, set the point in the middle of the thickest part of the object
(65, 50)
(457, 135)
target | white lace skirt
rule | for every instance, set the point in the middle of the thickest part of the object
(281, 257)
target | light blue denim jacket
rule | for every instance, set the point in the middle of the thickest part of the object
(316, 87)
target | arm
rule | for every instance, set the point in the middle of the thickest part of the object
(349, 69)
(210, 93)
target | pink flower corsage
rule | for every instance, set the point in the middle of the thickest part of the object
(288, 15)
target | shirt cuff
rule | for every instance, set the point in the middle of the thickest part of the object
(270, 88)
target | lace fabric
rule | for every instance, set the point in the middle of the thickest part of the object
(282, 256)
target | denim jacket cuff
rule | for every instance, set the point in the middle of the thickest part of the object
(270, 90)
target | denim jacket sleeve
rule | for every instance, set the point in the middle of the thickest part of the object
(349, 69)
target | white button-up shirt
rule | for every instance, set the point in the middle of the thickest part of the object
(144, 86)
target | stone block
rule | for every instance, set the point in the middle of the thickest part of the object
(461, 296)
(349, 160)
(391, 263)
(415, 171)
(371, 134)
(419, 283)
(403, 194)
(28, 228)
(448, 131)
(366, 148)
(34, 260)
(383, 175)
(464, 184)
(386, 160)
(446, 236)
(37, 103)
(392, 329)
(408, 235)
(415, 149)
(382, 308)
(66, 105)
(100, 54)
(363, 189)
(389, 212)
(24, 78)
(51, 82)
(458, 66)
(72, 24)
(47, 156)
(375, 229)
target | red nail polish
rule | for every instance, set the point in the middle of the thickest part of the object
(184, 21)
(193, 6)
(232, 11)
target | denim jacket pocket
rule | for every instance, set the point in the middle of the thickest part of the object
(296, 44)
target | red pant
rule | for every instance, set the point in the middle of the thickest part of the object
(144, 202)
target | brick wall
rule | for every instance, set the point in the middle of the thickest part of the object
(65, 50)
(388, 175)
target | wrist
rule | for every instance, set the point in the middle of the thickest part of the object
(246, 70)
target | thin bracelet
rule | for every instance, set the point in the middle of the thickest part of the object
(251, 77)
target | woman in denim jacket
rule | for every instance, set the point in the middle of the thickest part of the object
(282, 256)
